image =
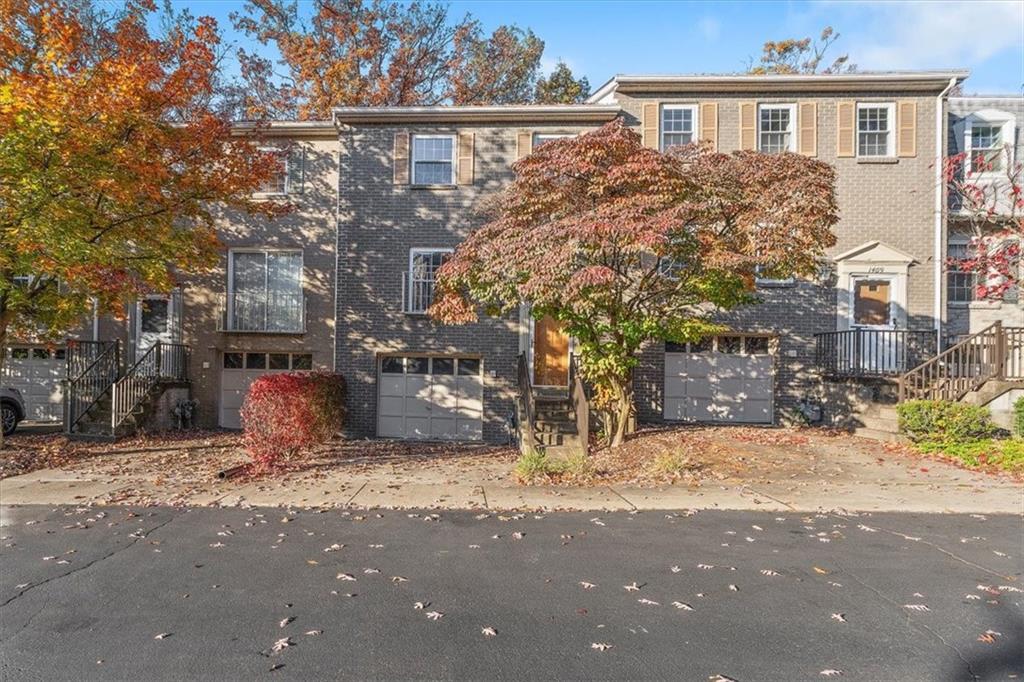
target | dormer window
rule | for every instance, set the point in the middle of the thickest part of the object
(988, 140)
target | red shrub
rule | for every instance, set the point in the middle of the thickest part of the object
(284, 413)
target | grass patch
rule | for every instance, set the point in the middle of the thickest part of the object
(1007, 455)
(672, 464)
(536, 467)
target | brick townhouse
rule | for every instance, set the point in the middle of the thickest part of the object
(383, 194)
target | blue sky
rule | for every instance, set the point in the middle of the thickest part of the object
(600, 39)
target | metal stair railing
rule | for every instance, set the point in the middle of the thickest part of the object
(163, 361)
(960, 369)
(92, 373)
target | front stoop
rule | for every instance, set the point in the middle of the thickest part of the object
(555, 426)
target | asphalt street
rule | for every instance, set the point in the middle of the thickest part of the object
(240, 594)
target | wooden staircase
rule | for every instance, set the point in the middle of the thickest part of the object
(553, 420)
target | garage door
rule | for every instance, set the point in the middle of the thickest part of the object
(37, 373)
(430, 398)
(722, 379)
(240, 369)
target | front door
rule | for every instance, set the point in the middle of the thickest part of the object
(155, 320)
(550, 353)
(879, 347)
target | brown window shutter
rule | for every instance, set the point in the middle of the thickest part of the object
(466, 158)
(808, 121)
(709, 124)
(906, 128)
(846, 134)
(748, 125)
(401, 159)
(651, 125)
(524, 143)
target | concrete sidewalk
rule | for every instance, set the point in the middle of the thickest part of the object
(940, 492)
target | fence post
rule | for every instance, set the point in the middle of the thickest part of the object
(1000, 351)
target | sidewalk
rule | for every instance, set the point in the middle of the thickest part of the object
(837, 478)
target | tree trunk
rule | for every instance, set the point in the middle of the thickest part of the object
(622, 410)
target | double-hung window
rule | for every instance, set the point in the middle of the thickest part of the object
(541, 138)
(265, 291)
(678, 123)
(433, 159)
(423, 267)
(959, 285)
(875, 129)
(987, 153)
(776, 128)
(277, 183)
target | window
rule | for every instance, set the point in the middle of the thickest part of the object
(416, 365)
(302, 361)
(874, 129)
(987, 151)
(775, 128)
(678, 123)
(392, 366)
(423, 266)
(278, 361)
(233, 361)
(469, 367)
(442, 366)
(762, 280)
(959, 285)
(541, 138)
(263, 361)
(265, 291)
(278, 182)
(433, 159)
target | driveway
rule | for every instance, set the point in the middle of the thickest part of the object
(167, 594)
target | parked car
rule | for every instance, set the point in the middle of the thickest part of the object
(12, 409)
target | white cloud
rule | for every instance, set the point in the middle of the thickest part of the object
(548, 64)
(710, 28)
(918, 35)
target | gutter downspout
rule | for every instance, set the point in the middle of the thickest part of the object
(940, 246)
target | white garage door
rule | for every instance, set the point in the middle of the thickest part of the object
(238, 372)
(430, 398)
(37, 373)
(722, 379)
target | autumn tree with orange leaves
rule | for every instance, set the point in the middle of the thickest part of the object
(377, 53)
(624, 244)
(111, 160)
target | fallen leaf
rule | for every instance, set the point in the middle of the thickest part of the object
(435, 615)
(829, 672)
(600, 646)
(163, 635)
(839, 616)
(281, 645)
(489, 632)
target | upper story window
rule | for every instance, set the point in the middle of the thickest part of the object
(678, 123)
(989, 137)
(875, 129)
(423, 267)
(433, 159)
(775, 126)
(278, 182)
(959, 285)
(541, 138)
(987, 147)
(265, 291)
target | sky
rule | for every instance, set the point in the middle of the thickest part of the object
(599, 39)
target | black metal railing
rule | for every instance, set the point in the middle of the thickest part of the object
(274, 313)
(161, 362)
(93, 367)
(873, 352)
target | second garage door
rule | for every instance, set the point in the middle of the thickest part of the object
(425, 398)
(238, 372)
(723, 379)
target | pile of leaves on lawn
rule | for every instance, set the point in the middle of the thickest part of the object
(287, 413)
(24, 453)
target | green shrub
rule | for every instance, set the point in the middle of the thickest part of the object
(1018, 417)
(1003, 454)
(941, 421)
(533, 465)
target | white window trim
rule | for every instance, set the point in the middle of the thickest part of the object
(956, 241)
(286, 160)
(413, 252)
(540, 138)
(454, 158)
(255, 249)
(694, 111)
(791, 108)
(991, 117)
(890, 140)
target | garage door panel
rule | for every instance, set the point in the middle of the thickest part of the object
(438, 406)
(717, 387)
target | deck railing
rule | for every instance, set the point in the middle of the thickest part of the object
(580, 405)
(274, 313)
(995, 352)
(526, 408)
(873, 352)
(92, 368)
(161, 362)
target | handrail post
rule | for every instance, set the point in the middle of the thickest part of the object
(1000, 351)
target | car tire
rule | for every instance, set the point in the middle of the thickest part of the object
(9, 418)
